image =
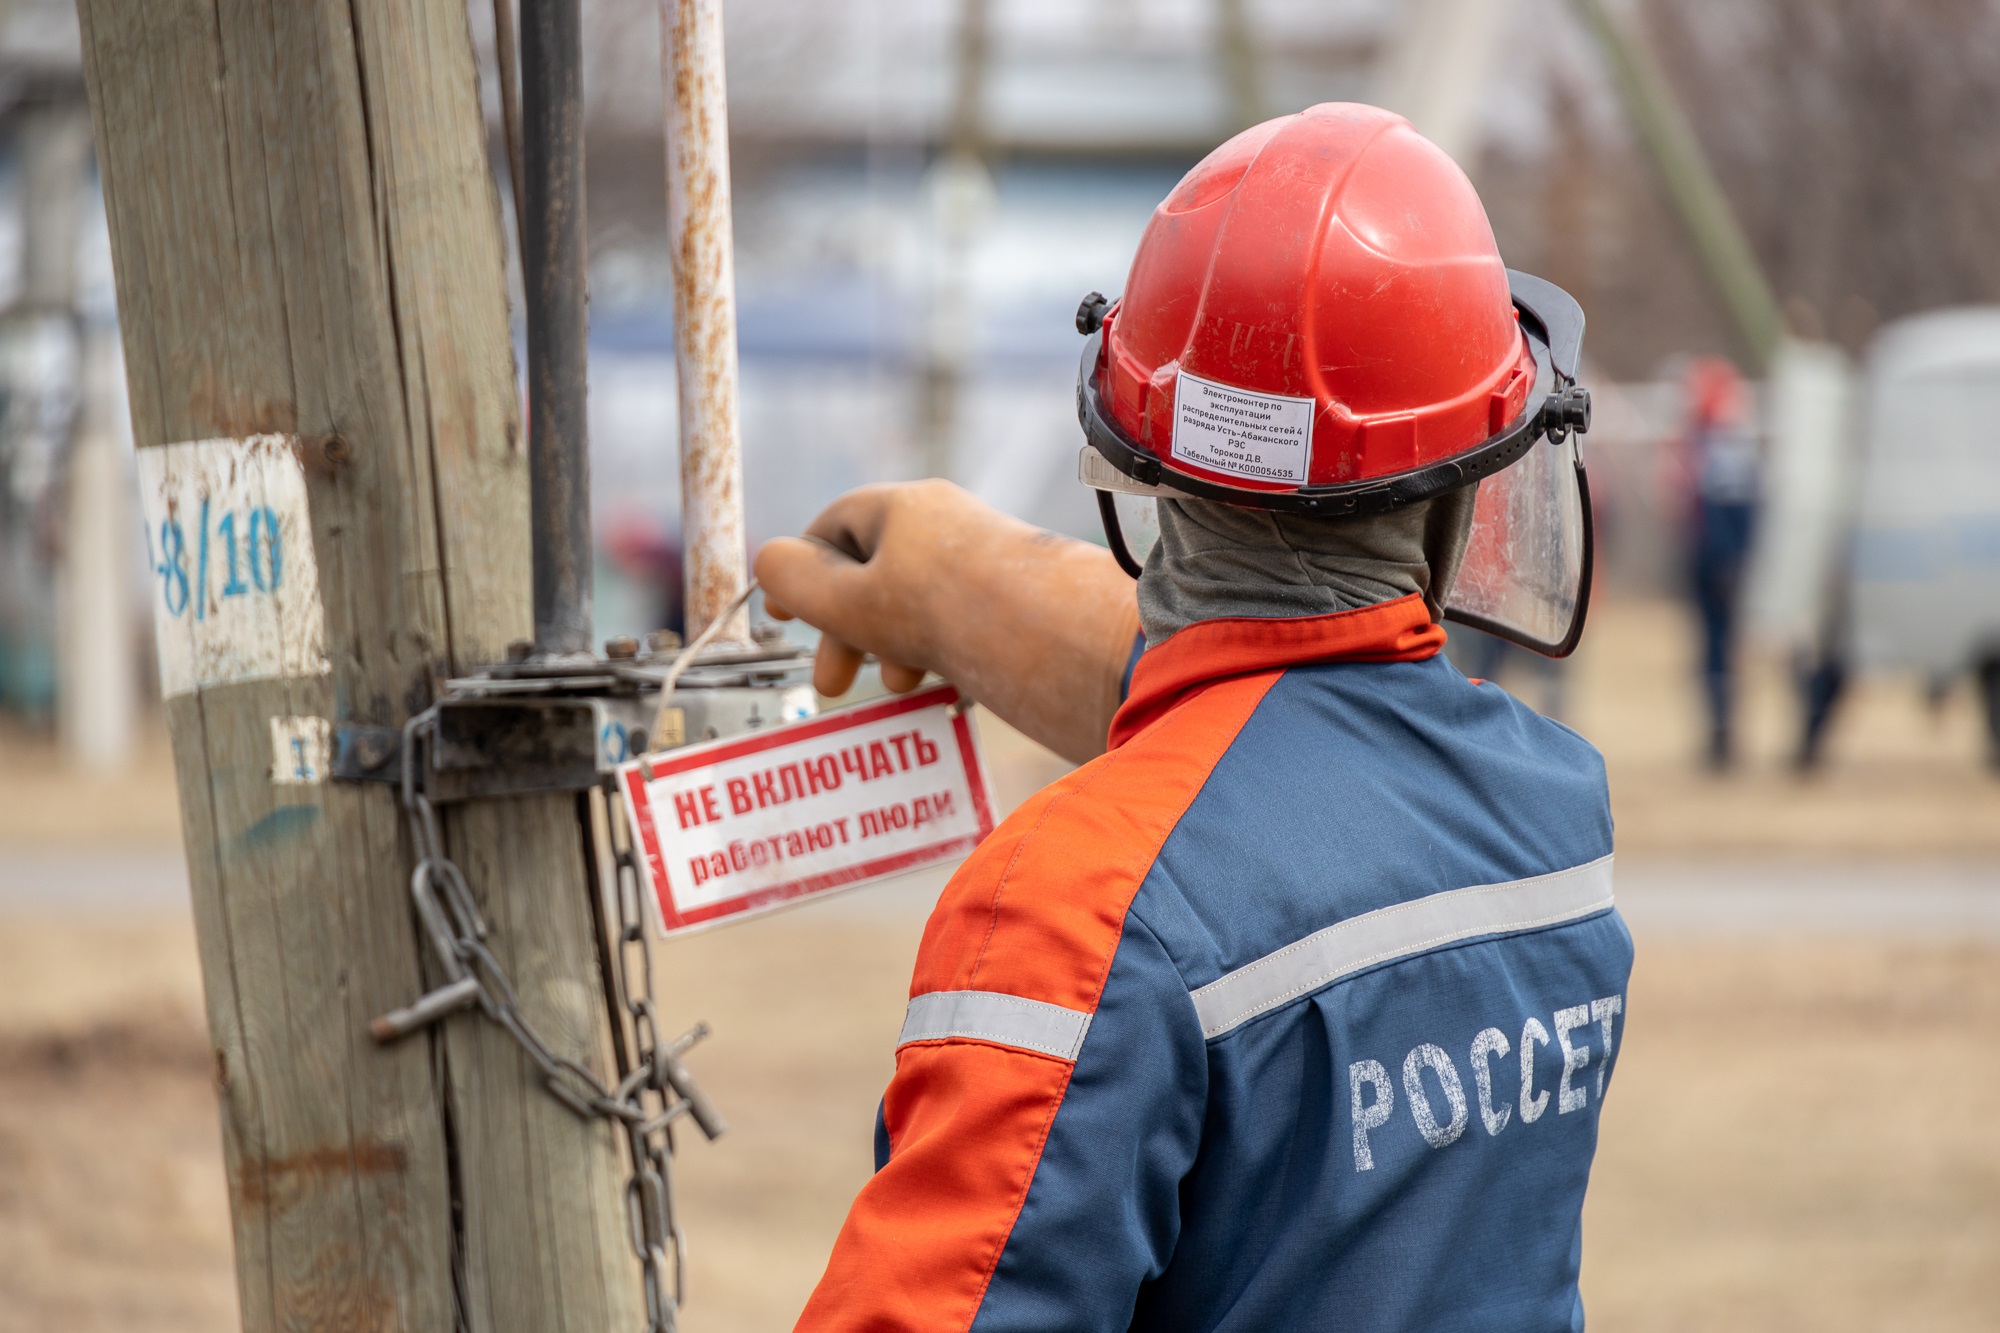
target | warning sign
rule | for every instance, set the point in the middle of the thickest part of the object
(1225, 429)
(738, 826)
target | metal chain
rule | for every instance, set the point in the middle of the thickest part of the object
(657, 1090)
(645, 1103)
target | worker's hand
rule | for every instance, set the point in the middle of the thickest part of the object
(1034, 626)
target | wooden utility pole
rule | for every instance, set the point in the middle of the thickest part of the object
(308, 246)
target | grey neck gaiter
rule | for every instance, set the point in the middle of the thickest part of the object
(1214, 561)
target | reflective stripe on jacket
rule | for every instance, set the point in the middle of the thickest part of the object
(1295, 1010)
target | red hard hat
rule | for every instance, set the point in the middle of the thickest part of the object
(1318, 319)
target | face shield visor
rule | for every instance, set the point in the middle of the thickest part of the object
(1527, 568)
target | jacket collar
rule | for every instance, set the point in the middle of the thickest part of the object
(1213, 650)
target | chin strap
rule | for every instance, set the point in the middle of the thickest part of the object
(1114, 534)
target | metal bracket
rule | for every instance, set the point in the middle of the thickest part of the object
(512, 747)
(517, 731)
(367, 754)
(505, 745)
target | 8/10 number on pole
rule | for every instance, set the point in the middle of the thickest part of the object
(259, 554)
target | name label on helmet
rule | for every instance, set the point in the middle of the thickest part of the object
(1267, 437)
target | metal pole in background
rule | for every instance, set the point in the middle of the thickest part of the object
(97, 701)
(961, 198)
(556, 278)
(55, 156)
(704, 259)
(96, 686)
(1713, 226)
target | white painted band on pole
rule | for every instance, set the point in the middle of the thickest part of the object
(235, 585)
(1009, 1020)
(1403, 931)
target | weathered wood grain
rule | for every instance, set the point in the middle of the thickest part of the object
(307, 240)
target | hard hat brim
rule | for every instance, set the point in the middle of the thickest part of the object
(1498, 590)
(1550, 318)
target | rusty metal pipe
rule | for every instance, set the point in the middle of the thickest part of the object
(553, 267)
(704, 259)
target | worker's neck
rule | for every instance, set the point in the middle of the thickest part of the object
(1215, 561)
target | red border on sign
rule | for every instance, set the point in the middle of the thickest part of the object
(777, 895)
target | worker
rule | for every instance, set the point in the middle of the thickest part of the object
(1721, 478)
(1294, 1006)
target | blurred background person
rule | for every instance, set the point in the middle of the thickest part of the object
(1718, 469)
(645, 554)
(1820, 675)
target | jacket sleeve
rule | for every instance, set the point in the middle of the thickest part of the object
(1051, 1077)
(1035, 1159)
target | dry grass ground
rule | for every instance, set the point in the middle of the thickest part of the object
(1800, 1137)
(114, 1213)
(1901, 778)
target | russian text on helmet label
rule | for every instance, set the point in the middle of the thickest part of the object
(1262, 436)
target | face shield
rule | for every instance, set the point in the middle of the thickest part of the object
(1528, 563)
(1527, 568)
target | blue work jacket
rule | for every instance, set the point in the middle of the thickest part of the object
(1295, 1010)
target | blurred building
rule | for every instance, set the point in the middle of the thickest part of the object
(925, 188)
(71, 580)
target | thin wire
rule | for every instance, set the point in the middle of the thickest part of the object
(702, 640)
